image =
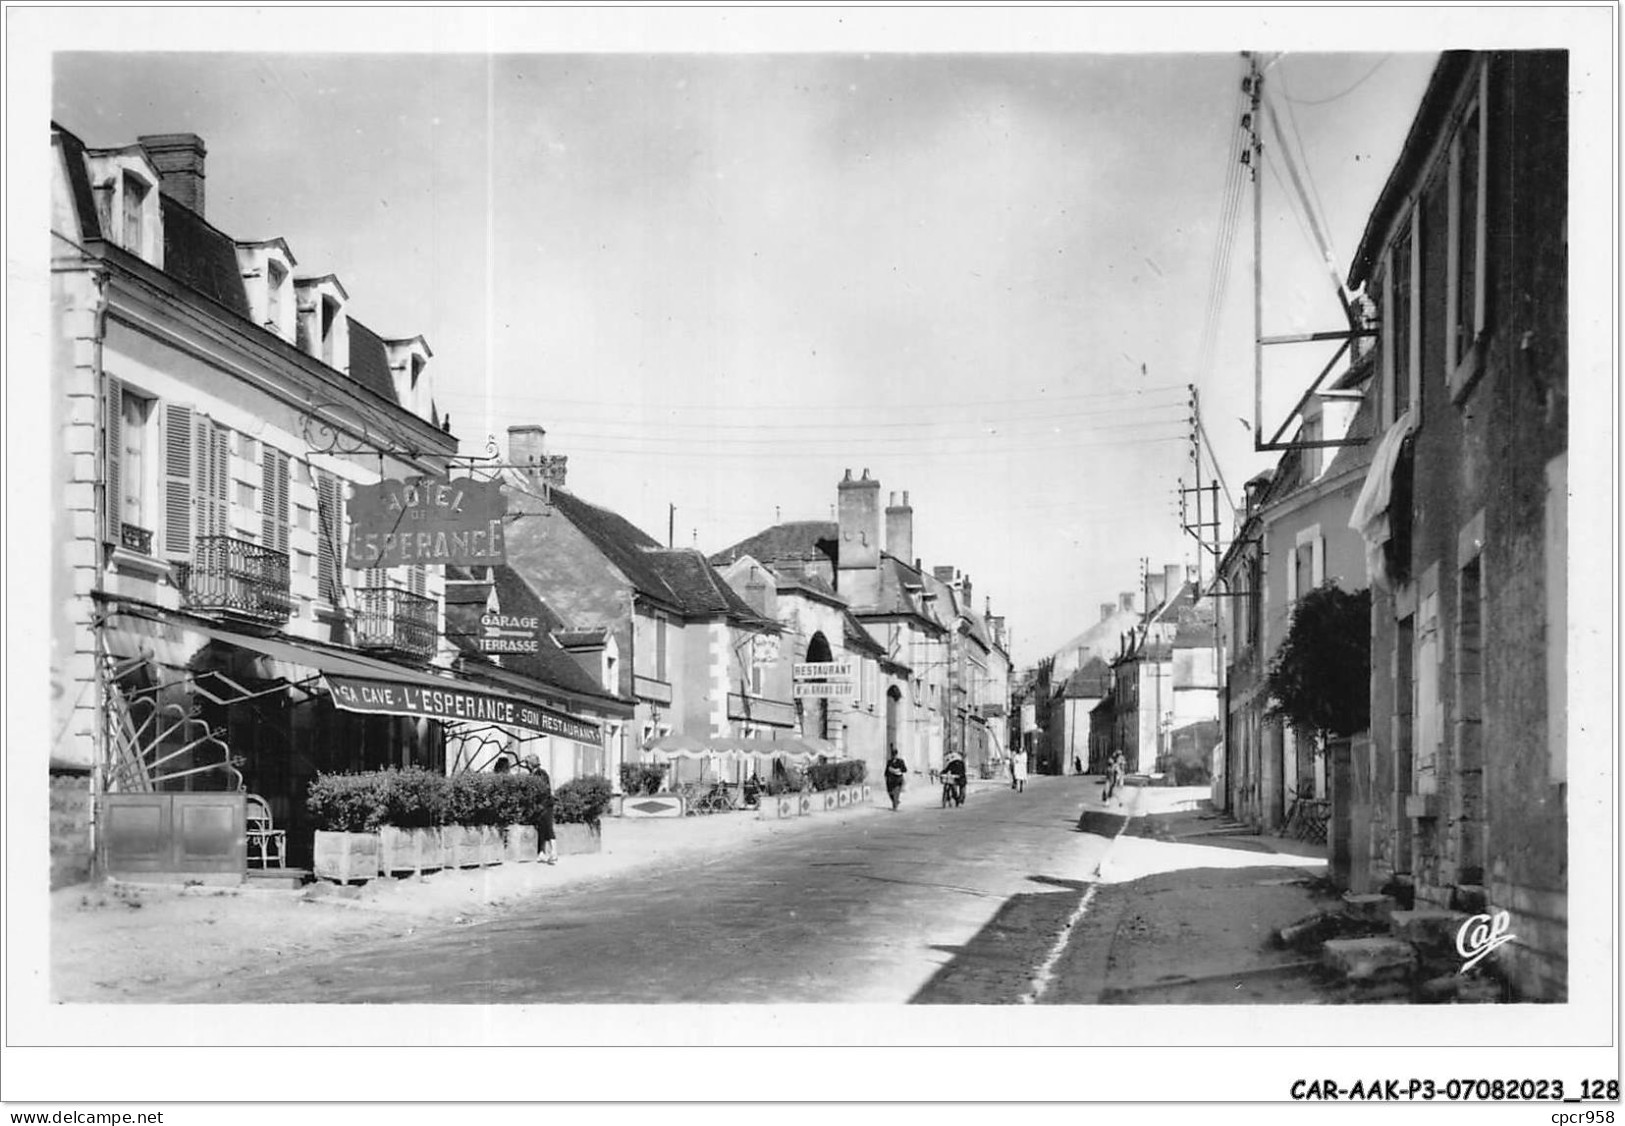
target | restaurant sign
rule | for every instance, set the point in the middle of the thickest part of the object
(393, 697)
(509, 633)
(432, 520)
(823, 679)
(823, 670)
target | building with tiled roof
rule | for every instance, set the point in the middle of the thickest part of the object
(215, 416)
(949, 664)
(690, 650)
(1293, 535)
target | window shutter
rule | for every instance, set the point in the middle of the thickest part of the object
(220, 457)
(1317, 560)
(417, 579)
(178, 476)
(330, 534)
(211, 475)
(274, 500)
(113, 456)
(1292, 579)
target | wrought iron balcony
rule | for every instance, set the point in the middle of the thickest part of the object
(233, 576)
(395, 620)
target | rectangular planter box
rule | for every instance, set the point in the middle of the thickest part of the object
(522, 847)
(346, 856)
(409, 850)
(491, 845)
(804, 803)
(868, 791)
(828, 800)
(843, 797)
(579, 840)
(773, 807)
(461, 846)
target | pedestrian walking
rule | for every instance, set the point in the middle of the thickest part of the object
(1018, 772)
(546, 838)
(1114, 775)
(1077, 765)
(896, 773)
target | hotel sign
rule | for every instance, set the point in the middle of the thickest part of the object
(393, 697)
(509, 633)
(430, 520)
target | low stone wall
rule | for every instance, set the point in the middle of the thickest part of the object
(70, 829)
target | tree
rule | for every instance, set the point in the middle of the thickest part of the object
(1320, 679)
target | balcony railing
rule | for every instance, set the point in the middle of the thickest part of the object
(395, 620)
(232, 576)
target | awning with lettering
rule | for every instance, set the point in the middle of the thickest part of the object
(445, 699)
(390, 689)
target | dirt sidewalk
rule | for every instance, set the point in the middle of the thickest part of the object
(120, 941)
(1186, 909)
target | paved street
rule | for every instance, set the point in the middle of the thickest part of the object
(868, 907)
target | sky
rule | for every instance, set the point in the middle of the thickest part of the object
(720, 278)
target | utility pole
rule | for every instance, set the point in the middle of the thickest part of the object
(1253, 85)
(671, 526)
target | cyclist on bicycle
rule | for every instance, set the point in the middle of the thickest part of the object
(953, 780)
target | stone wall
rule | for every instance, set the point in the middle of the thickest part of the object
(71, 856)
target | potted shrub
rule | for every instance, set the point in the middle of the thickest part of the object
(578, 810)
(346, 810)
(469, 835)
(412, 803)
(521, 802)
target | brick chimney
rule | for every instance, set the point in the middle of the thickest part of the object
(966, 602)
(858, 554)
(1107, 609)
(900, 528)
(1173, 580)
(178, 157)
(1125, 602)
(527, 449)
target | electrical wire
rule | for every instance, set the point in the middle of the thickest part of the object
(1343, 93)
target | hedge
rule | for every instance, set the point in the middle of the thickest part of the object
(415, 798)
(582, 801)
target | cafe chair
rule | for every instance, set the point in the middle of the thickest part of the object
(263, 837)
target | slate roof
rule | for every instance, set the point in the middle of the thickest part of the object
(621, 542)
(811, 585)
(200, 257)
(895, 597)
(1092, 680)
(700, 590)
(582, 638)
(857, 638)
(797, 539)
(73, 149)
(551, 667)
(204, 259)
(369, 360)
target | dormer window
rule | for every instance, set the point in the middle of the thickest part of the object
(275, 278)
(133, 201)
(322, 328)
(409, 372)
(267, 269)
(126, 191)
(330, 320)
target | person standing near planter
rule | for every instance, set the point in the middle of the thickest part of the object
(546, 838)
(1018, 772)
(896, 772)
